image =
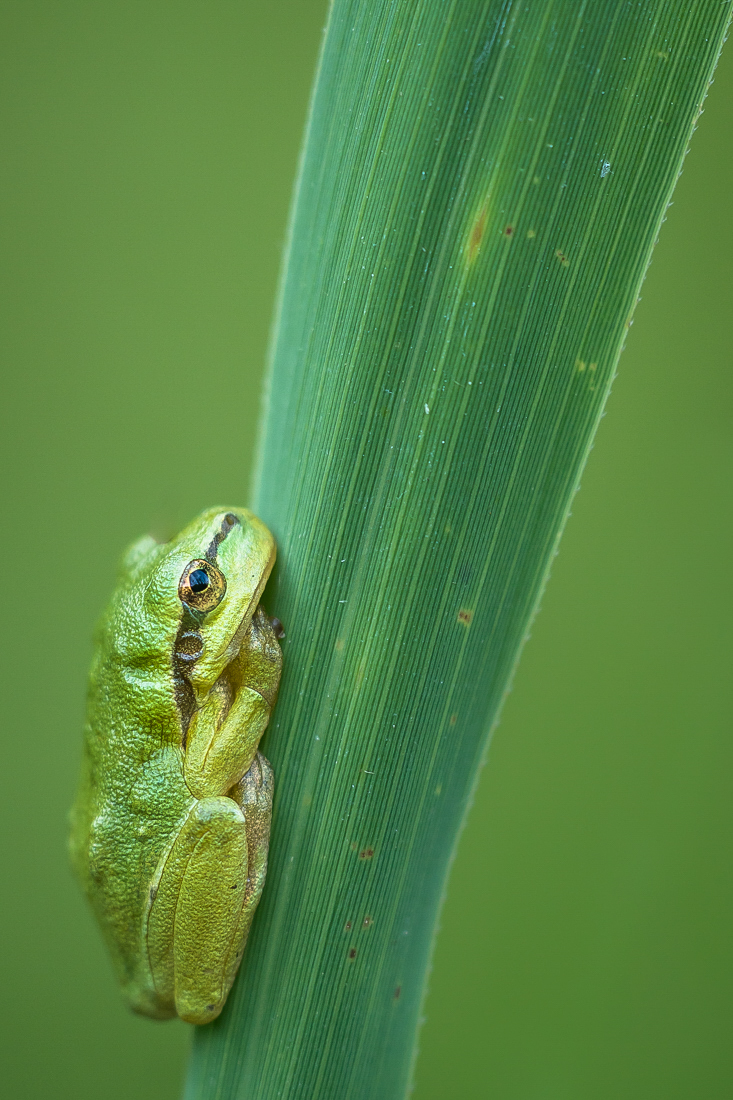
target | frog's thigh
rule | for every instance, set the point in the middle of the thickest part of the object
(209, 909)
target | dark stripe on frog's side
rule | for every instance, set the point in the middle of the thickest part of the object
(187, 648)
(189, 645)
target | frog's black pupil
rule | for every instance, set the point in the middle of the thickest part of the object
(198, 580)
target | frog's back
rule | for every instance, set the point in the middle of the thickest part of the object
(132, 795)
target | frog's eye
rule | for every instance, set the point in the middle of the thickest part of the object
(202, 585)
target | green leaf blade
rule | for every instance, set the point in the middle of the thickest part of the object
(481, 190)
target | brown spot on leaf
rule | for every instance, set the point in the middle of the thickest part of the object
(366, 853)
(465, 616)
(367, 921)
(397, 992)
(453, 719)
(476, 235)
(562, 257)
(352, 953)
(347, 926)
(509, 231)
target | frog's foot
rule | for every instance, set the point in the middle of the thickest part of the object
(253, 794)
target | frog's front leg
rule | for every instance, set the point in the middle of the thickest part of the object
(222, 738)
(206, 894)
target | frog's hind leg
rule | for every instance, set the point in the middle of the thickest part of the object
(206, 897)
(196, 910)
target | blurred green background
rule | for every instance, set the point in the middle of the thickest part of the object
(148, 154)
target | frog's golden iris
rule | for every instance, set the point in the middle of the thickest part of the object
(202, 585)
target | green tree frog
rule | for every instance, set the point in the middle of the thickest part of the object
(170, 828)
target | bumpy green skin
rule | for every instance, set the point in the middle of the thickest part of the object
(171, 822)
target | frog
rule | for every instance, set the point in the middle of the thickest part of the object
(171, 823)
